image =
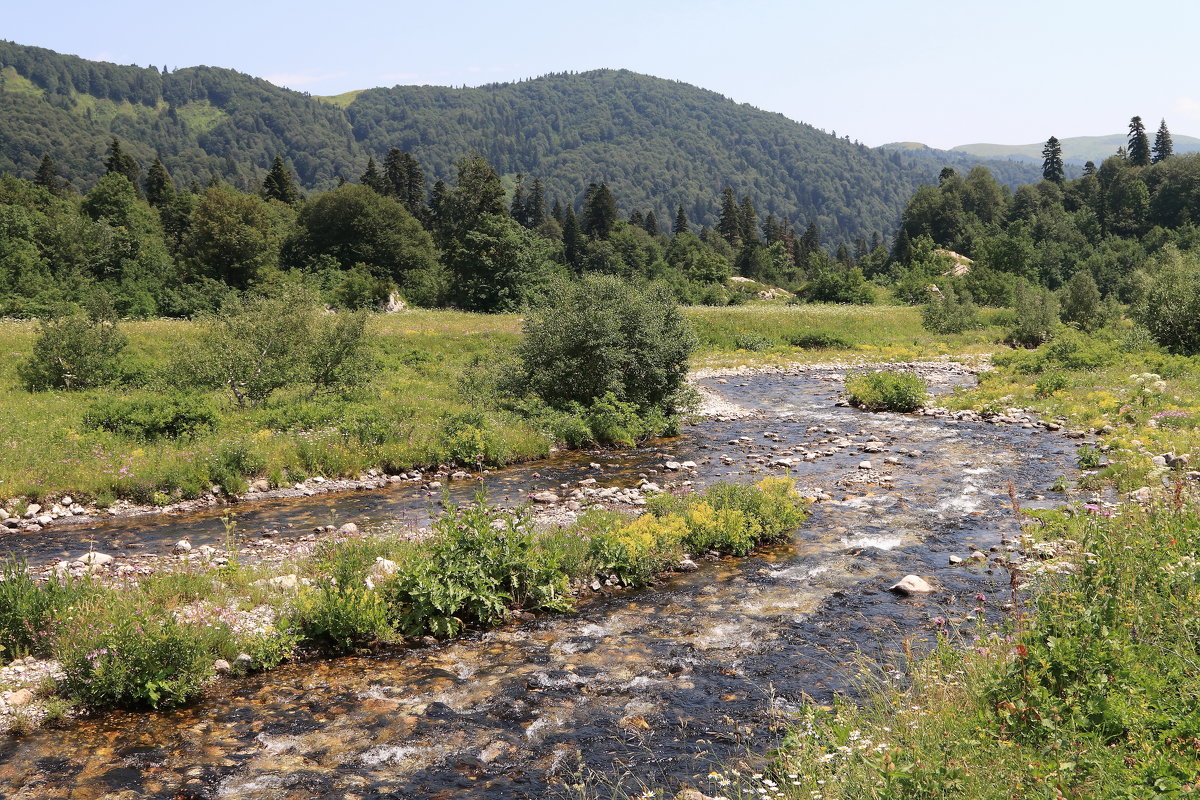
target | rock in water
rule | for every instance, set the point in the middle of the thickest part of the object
(910, 585)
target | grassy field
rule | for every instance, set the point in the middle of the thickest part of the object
(418, 410)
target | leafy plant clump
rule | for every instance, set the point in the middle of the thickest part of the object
(171, 416)
(887, 391)
(74, 351)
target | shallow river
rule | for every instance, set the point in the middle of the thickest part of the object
(659, 684)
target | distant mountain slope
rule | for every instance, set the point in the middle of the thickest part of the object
(657, 143)
(1075, 149)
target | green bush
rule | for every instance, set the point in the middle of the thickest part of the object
(949, 311)
(886, 391)
(74, 351)
(837, 284)
(598, 334)
(169, 416)
(29, 609)
(123, 652)
(1036, 316)
(339, 618)
(754, 342)
(1050, 382)
(819, 340)
(470, 572)
(1169, 306)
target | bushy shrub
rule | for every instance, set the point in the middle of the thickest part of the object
(819, 340)
(948, 311)
(471, 573)
(637, 551)
(125, 653)
(74, 351)
(599, 334)
(167, 416)
(754, 342)
(1169, 307)
(1050, 382)
(28, 610)
(726, 530)
(773, 503)
(1037, 316)
(469, 440)
(886, 391)
(340, 618)
(839, 285)
(1081, 304)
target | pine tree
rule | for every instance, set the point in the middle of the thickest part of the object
(1163, 146)
(395, 175)
(599, 212)
(535, 206)
(810, 242)
(413, 194)
(636, 219)
(1089, 168)
(160, 189)
(1052, 162)
(557, 213)
(902, 249)
(572, 240)
(47, 175)
(730, 223)
(122, 163)
(371, 178)
(681, 222)
(517, 208)
(1139, 143)
(279, 183)
(650, 224)
(747, 223)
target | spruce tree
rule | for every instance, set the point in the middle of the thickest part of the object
(650, 223)
(681, 222)
(572, 240)
(730, 223)
(517, 208)
(371, 178)
(1163, 146)
(1052, 162)
(122, 163)
(279, 184)
(600, 213)
(395, 176)
(636, 219)
(557, 213)
(1139, 143)
(413, 195)
(47, 175)
(747, 223)
(535, 206)
(1089, 168)
(160, 190)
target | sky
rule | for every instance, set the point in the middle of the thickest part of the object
(939, 72)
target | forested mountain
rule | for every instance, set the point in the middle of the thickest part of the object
(657, 144)
(1075, 149)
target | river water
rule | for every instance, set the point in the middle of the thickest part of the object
(656, 685)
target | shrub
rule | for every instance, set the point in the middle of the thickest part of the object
(754, 342)
(340, 618)
(726, 530)
(837, 284)
(29, 608)
(1050, 382)
(886, 391)
(819, 340)
(599, 334)
(773, 502)
(1170, 306)
(637, 551)
(74, 351)
(125, 653)
(949, 312)
(470, 572)
(1037, 316)
(1081, 304)
(170, 416)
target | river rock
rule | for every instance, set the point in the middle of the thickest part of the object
(261, 485)
(348, 529)
(910, 585)
(674, 466)
(382, 568)
(32, 510)
(181, 547)
(21, 697)
(864, 465)
(546, 497)
(284, 582)
(687, 565)
(873, 447)
(222, 667)
(95, 559)
(243, 663)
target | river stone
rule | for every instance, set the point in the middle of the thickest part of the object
(911, 584)
(873, 447)
(348, 529)
(261, 485)
(673, 466)
(544, 497)
(32, 510)
(864, 465)
(21, 697)
(95, 559)
(382, 568)
(687, 565)
(221, 667)
(244, 662)
(182, 546)
(284, 582)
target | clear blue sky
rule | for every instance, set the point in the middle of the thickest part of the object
(942, 72)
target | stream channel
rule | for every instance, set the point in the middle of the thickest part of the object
(659, 684)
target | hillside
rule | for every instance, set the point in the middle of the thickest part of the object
(1075, 149)
(657, 143)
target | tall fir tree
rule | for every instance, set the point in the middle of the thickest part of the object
(599, 212)
(681, 222)
(47, 175)
(517, 208)
(1089, 168)
(371, 178)
(535, 206)
(279, 183)
(1164, 147)
(650, 223)
(1139, 143)
(557, 214)
(1052, 161)
(122, 163)
(636, 219)
(747, 223)
(160, 189)
(730, 223)
(572, 240)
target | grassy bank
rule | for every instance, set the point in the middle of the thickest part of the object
(429, 402)
(154, 642)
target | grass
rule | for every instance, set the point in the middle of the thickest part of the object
(153, 642)
(418, 411)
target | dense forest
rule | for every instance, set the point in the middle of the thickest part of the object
(657, 144)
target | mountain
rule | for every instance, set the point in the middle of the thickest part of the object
(657, 143)
(1075, 149)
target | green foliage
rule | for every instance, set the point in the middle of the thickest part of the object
(74, 351)
(886, 391)
(601, 335)
(340, 617)
(120, 652)
(158, 416)
(819, 340)
(1050, 382)
(839, 285)
(949, 312)
(1170, 304)
(29, 609)
(471, 572)
(1037, 316)
(754, 342)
